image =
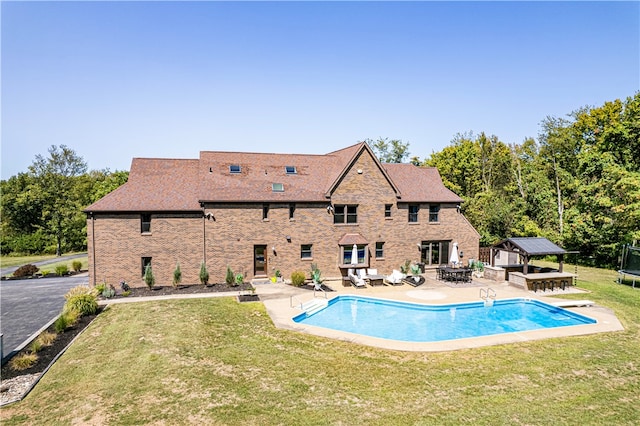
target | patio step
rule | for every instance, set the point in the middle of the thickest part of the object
(573, 303)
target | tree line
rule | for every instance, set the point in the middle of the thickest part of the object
(42, 209)
(577, 184)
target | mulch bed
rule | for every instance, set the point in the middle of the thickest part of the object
(179, 290)
(48, 353)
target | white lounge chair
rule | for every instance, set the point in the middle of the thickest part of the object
(357, 281)
(395, 278)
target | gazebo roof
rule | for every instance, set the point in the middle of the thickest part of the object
(530, 246)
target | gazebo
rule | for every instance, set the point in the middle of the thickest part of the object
(528, 247)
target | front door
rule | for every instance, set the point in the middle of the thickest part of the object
(259, 260)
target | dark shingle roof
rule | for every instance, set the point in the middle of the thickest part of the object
(419, 184)
(154, 185)
(180, 185)
(532, 246)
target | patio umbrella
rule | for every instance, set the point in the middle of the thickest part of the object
(354, 255)
(454, 259)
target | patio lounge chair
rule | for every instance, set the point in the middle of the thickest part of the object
(356, 281)
(395, 278)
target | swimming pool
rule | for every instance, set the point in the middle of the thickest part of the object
(412, 322)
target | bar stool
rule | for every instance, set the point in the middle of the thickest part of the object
(563, 284)
(536, 285)
(550, 284)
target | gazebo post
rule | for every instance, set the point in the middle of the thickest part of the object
(560, 262)
(525, 268)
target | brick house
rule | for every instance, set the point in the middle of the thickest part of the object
(258, 213)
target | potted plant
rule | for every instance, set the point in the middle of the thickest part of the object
(278, 276)
(315, 274)
(415, 271)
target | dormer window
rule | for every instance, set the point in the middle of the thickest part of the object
(235, 168)
(277, 187)
(290, 170)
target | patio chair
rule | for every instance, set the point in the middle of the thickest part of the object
(395, 278)
(356, 281)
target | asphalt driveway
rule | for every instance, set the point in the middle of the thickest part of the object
(28, 305)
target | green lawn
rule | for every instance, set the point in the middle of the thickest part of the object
(214, 361)
(9, 261)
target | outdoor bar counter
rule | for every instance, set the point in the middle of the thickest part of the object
(541, 280)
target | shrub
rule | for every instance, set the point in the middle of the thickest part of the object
(80, 290)
(82, 300)
(239, 279)
(109, 292)
(25, 271)
(204, 274)
(297, 278)
(149, 279)
(47, 338)
(76, 265)
(65, 320)
(100, 287)
(229, 277)
(23, 361)
(62, 323)
(45, 272)
(35, 346)
(177, 275)
(126, 293)
(61, 270)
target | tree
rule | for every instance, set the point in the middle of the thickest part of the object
(387, 151)
(55, 177)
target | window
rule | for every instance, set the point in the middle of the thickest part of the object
(265, 211)
(292, 210)
(306, 251)
(277, 187)
(433, 212)
(290, 170)
(234, 168)
(379, 249)
(387, 210)
(145, 261)
(345, 214)
(145, 222)
(347, 255)
(413, 212)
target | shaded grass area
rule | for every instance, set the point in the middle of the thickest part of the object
(214, 361)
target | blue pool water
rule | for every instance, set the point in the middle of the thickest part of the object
(413, 322)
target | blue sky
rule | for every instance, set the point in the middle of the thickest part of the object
(116, 80)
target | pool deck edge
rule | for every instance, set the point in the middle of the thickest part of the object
(278, 300)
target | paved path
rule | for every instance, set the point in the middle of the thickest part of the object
(28, 305)
(11, 269)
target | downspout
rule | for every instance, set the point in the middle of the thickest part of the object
(204, 234)
(93, 247)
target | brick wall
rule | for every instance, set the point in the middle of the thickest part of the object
(234, 229)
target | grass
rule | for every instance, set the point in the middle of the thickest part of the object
(214, 361)
(9, 261)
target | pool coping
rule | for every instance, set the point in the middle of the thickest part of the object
(279, 298)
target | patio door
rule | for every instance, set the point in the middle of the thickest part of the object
(435, 252)
(259, 260)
